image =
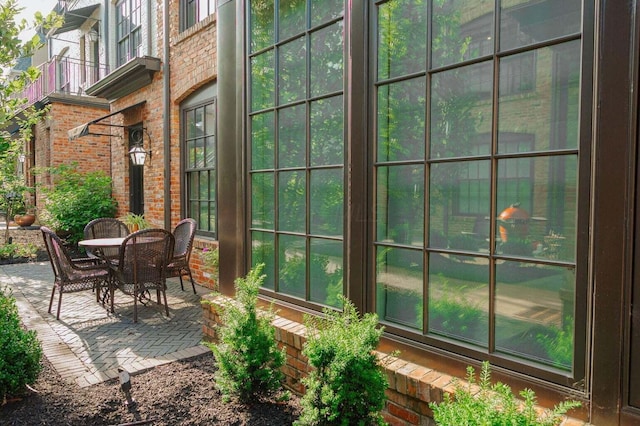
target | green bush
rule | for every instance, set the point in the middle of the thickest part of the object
(494, 405)
(247, 357)
(20, 350)
(347, 385)
(76, 199)
(17, 250)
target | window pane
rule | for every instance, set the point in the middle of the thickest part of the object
(327, 202)
(212, 187)
(523, 22)
(263, 251)
(292, 71)
(461, 111)
(327, 131)
(203, 194)
(400, 204)
(292, 197)
(262, 194)
(262, 141)
(402, 38)
(537, 205)
(325, 10)
(292, 136)
(199, 152)
(192, 129)
(458, 297)
(325, 274)
(459, 205)
(210, 119)
(535, 312)
(262, 24)
(327, 60)
(462, 30)
(292, 18)
(399, 286)
(262, 81)
(292, 265)
(401, 116)
(553, 81)
(211, 152)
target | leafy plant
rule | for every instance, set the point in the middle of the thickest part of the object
(451, 312)
(211, 260)
(75, 199)
(20, 350)
(247, 357)
(15, 250)
(494, 405)
(135, 222)
(347, 385)
(558, 343)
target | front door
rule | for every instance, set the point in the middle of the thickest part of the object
(136, 174)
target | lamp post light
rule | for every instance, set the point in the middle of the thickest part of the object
(138, 155)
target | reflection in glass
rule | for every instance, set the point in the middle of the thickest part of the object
(291, 14)
(399, 286)
(327, 201)
(292, 197)
(524, 22)
(327, 60)
(262, 141)
(262, 195)
(535, 312)
(401, 118)
(292, 73)
(402, 38)
(462, 30)
(262, 24)
(292, 268)
(292, 136)
(459, 205)
(325, 10)
(325, 272)
(400, 204)
(537, 207)
(461, 111)
(552, 76)
(263, 251)
(327, 131)
(210, 149)
(263, 81)
(458, 297)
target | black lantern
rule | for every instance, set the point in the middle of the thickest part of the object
(137, 153)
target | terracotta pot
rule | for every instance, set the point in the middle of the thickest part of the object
(24, 219)
(514, 221)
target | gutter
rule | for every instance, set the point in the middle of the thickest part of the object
(166, 104)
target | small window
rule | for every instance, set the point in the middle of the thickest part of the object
(128, 30)
(194, 11)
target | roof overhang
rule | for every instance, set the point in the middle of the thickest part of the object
(73, 19)
(85, 129)
(126, 79)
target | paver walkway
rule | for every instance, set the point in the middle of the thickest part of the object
(88, 344)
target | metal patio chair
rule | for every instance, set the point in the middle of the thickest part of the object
(183, 233)
(105, 227)
(142, 266)
(72, 275)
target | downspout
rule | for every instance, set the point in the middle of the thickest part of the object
(166, 103)
(105, 37)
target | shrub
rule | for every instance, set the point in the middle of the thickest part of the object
(17, 250)
(75, 199)
(494, 405)
(20, 350)
(247, 356)
(347, 385)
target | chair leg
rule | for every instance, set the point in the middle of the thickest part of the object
(53, 292)
(59, 303)
(135, 306)
(181, 285)
(166, 305)
(193, 285)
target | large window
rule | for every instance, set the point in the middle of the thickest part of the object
(296, 144)
(200, 170)
(194, 11)
(476, 177)
(128, 30)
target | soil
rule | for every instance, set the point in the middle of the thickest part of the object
(179, 393)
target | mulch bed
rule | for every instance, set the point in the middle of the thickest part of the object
(179, 393)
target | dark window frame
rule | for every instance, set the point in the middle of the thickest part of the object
(188, 20)
(128, 30)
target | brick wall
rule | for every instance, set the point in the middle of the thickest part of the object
(411, 386)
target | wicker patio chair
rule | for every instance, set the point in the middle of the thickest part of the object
(183, 233)
(106, 227)
(72, 275)
(142, 266)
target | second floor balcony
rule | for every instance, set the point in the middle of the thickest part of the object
(63, 75)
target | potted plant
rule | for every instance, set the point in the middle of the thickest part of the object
(135, 222)
(24, 213)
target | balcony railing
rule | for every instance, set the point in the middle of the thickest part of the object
(66, 76)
